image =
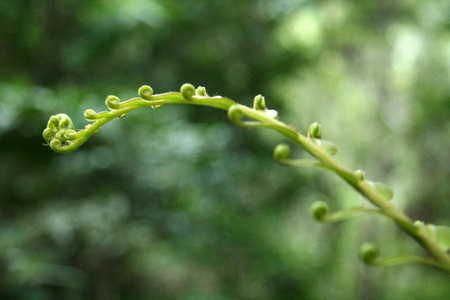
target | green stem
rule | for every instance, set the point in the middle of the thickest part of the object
(362, 186)
(261, 119)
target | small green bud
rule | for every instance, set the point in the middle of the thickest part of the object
(113, 99)
(234, 113)
(90, 115)
(145, 92)
(70, 134)
(187, 90)
(282, 151)
(112, 102)
(201, 91)
(314, 131)
(259, 103)
(360, 175)
(369, 253)
(55, 144)
(319, 210)
(48, 134)
(60, 135)
(65, 122)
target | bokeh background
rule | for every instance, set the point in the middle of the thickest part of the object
(177, 203)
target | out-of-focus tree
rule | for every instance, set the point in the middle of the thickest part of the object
(176, 203)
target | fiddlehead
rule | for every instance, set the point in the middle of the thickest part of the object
(188, 91)
(59, 132)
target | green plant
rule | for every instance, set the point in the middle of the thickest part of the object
(61, 137)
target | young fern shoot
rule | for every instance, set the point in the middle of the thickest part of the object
(61, 137)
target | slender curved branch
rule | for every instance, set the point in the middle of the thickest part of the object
(61, 137)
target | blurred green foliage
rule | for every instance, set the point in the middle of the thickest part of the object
(176, 203)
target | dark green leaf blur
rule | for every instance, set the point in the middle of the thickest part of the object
(177, 203)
